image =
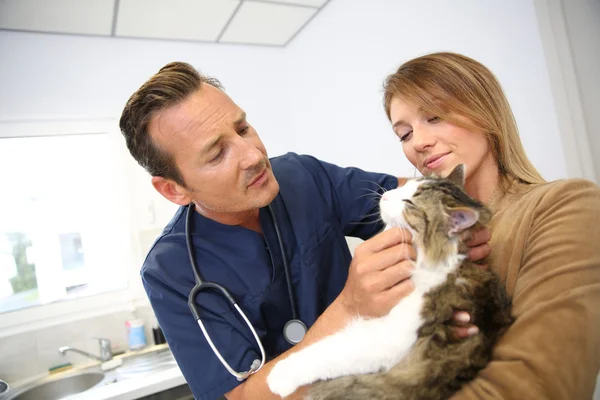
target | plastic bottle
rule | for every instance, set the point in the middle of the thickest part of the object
(135, 334)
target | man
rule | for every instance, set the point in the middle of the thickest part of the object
(200, 150)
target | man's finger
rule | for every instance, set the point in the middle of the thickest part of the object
(388, 238)
(389, 257)
(394, 294)
(395, 274)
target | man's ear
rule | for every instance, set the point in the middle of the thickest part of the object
(171, 190)
(457, 176)
(461, 218)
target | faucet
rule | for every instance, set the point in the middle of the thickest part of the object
(105, 351)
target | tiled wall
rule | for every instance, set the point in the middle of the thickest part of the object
(33, 353)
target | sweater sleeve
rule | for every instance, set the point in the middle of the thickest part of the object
(552, 351)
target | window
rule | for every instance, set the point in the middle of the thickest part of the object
(61, 228)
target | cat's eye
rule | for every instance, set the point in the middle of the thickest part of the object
(409, 202)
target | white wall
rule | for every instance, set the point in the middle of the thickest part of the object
(57, 76)
(340, 62)
(583, 28)
(320, 95)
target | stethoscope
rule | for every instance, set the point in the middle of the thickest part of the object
(293, 331)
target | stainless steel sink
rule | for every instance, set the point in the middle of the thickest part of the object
(145, 364)
(135, 364)
(55, 389)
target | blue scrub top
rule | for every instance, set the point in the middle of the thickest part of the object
(317, 205)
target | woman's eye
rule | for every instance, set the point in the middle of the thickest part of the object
(406, 136)
(434, 120)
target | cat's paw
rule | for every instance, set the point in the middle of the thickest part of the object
(281, 379)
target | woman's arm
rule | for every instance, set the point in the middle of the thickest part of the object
(552, 351)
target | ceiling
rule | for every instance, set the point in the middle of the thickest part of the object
(257, 22)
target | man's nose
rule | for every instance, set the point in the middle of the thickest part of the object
(252, 156)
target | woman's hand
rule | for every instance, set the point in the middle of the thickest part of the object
(479, 250)
(479, 247)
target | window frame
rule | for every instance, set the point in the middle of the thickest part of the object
(70, 310)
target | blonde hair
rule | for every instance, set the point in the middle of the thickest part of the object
(455, 87)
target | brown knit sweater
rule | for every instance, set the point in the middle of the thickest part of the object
(546, 248)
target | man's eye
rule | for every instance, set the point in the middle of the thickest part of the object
(406, 136)
(217, 157)
(244, 130)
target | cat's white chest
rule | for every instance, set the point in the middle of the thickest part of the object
(405, 318)
(364, 346)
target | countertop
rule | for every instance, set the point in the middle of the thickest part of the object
(134, 388)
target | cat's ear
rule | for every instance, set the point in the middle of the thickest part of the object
(461, 218)
(457, 176)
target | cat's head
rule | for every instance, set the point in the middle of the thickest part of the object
(436, 210)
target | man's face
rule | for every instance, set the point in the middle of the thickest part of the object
(222, 161)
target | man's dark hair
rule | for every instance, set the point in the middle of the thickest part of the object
(171, 84)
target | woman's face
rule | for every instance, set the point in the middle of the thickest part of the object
(436, 146)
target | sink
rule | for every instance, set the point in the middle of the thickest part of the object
(137, 364)
(146, 363)
(54, 389)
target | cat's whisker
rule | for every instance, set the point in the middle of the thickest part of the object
(367, 222)
(373, 215)
(380, 187)
(372, 191)
(375, 196)
(407, 254)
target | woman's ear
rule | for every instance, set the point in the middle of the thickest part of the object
(461, 218)
(171, 191)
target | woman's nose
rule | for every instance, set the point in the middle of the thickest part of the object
(422, 139)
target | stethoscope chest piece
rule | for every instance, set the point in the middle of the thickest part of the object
(294, 331)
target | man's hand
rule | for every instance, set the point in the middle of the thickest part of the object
(479, 250)
(379, 274)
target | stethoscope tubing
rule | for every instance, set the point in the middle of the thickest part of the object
(202, 285)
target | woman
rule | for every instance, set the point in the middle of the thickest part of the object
(449, 109)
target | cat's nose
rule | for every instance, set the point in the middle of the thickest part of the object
(385, 196)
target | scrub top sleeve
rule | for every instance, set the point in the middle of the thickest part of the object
(352, 193)
(204, 373)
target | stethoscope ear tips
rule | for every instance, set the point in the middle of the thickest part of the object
(255, 365)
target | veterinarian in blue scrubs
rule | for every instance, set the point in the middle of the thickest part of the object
(317, 205)
(200, 150)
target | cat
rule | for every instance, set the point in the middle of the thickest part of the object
(411, 352)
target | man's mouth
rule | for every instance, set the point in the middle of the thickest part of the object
(259, 179)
